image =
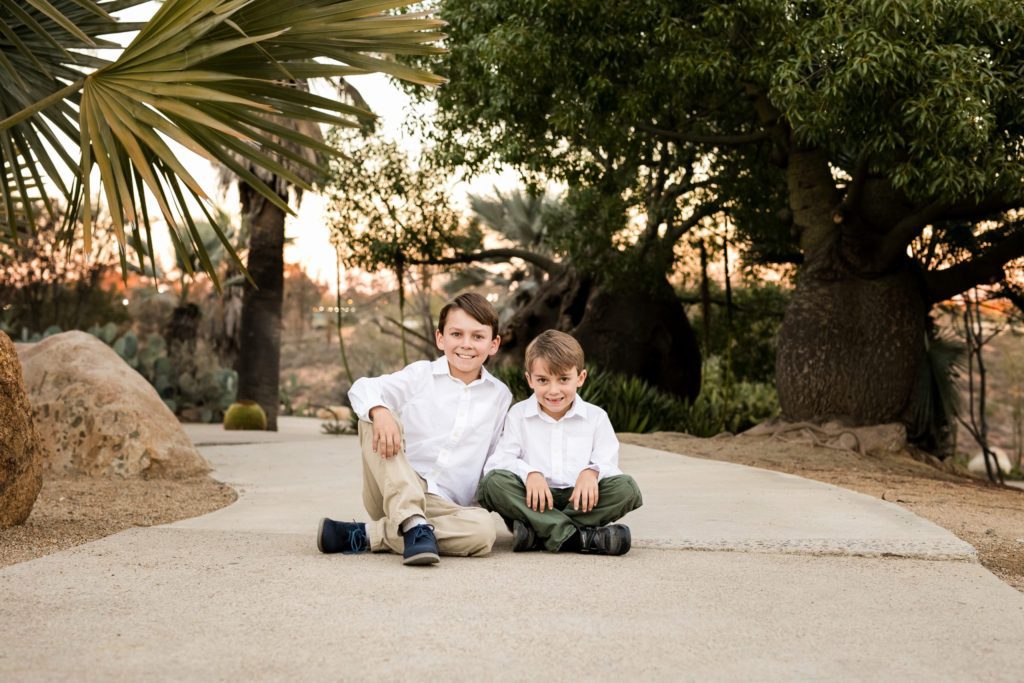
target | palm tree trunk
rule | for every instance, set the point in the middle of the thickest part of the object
(259, 358)
(341, 337)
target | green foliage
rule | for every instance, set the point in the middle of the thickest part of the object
(216, 76)
(188, 377)
(748, 343)
(247, 415)
(515, 379)
(43, 286)
(387, 210)
(336, 426)
(288, 391)
(635, 406)
(922, 97)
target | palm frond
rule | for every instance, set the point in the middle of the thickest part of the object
(215, 76)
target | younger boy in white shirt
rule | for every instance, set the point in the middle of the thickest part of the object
(420, 476)
(554, 477)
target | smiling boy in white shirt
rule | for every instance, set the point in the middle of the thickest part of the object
(420, 476)
(554, 477)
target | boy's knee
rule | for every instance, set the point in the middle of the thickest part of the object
(484, 533)
(494, 481)
(498, 478)
(627, 489)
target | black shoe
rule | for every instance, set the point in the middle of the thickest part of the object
(420, 545)
(342, 537)
(523, 538)
(613, 539)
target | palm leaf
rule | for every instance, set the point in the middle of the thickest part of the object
(215, 76)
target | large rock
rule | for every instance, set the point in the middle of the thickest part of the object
(96, 415)
(20, 471)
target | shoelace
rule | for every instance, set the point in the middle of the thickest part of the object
(421, 532)
(357, 540)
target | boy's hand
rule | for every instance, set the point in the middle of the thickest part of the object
(584, 494)
(387, 437)
(538, 494)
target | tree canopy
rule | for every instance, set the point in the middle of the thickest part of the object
(824, 124)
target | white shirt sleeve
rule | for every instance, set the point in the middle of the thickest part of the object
(499, 423)
(605, 456)
(508, 455)
(391, 391)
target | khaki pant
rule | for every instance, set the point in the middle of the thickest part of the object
(393, 492)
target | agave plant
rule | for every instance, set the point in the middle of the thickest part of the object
(215, 76)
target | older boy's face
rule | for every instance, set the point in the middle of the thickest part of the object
(466, 343)
(555, 391)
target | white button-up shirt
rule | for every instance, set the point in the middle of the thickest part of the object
(532, 441)
(450, 427)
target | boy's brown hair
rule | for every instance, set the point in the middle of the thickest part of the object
(476, 306)
(559, 350)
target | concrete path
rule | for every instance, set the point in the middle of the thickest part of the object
(736, 574)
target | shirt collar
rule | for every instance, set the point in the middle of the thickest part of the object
(578, 409)
(440, 367)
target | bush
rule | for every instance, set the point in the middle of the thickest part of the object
(749, 343)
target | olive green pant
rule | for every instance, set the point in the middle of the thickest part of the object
(504, 492)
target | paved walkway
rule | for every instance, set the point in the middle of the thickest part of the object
(736, 574)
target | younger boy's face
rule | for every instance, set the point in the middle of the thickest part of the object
(466, 343)
(555, 391)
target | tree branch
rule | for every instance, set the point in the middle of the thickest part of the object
(894, 244)
(420, 342)
(549, 266)
(705, 139)
(707, 209)
(855, 190)
(986, 268)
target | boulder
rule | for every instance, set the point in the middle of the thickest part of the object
(96, 415)
(977, 463)
(20, 471)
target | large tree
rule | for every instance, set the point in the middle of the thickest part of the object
(219, 77)
(835, 133)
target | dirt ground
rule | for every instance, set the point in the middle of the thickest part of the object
(989, 517)
(72, 510)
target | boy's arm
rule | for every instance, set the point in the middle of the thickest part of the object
(391, 391)
(499, 425)
(605, 455)
(376, 399)
(508, 454)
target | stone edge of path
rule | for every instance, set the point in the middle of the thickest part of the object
(961, 552)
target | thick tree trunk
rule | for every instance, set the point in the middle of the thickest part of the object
(624, 329)
(259, 358)
(851, 349)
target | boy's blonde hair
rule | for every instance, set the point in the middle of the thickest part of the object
(559, 350)
(478, 308)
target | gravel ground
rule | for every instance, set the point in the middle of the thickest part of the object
(72, 510)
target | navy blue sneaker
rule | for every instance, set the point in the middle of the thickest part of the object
(420, 546)
(613, 539)
(342, 537)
